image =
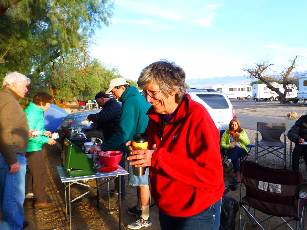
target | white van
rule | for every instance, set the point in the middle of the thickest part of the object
(217, 104)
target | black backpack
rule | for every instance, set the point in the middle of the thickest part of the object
(229, 211)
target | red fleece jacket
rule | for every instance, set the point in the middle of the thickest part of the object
(186, 169)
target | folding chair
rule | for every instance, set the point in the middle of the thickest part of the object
(271, 193)
(270, 142)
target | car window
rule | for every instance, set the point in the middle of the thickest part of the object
(215, 101)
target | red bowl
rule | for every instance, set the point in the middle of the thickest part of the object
(110, 158)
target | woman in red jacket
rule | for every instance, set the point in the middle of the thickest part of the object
(184, 157)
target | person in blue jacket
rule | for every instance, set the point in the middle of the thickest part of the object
(108, 118)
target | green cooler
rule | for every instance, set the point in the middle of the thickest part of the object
(75, 161)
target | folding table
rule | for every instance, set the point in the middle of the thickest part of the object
(69, 181)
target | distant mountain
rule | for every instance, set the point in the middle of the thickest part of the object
(206, 82)
(228, 80)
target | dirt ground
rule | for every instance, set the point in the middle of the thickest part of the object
(85, 214)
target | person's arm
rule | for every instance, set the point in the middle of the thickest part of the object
(293, 133)
(107, 113)
(127, 128)
(243, 138)
(37, 123)
(13, 132)
(7, 124)
(203, 169)
(225, 142)
(204, 166)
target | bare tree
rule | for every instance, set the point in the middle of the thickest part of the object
(259, 73)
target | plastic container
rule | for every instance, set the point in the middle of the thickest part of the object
(139, 142)
(110, 158)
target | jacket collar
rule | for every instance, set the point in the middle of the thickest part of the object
(180, 113)
(129, 92)
(35, 107)
(9, 91)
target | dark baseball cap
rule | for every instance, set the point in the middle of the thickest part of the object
(102, 94)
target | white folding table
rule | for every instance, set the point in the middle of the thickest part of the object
(69, 181)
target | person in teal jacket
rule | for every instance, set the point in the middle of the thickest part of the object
(36, 175)
(234, 141)
(133, 120)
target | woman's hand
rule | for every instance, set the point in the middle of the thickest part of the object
(301, 141)
(233, 144)
(51, 141)
(140, 157)
(47, 133)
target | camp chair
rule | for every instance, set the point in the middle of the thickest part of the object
(271, 193)
(270, 142)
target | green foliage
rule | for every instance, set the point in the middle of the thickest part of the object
(133, 83)
(35, 33)
(74, 77)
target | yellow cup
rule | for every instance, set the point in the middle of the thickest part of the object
(139, 145)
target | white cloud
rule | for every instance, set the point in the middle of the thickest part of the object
(141, 21)
(174, 11)
(208, 14)
(206, 22)
(144, 8)
(196, 63)
(282, 55)
(214, 6)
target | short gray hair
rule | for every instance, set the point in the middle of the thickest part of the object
(15, 78)
(167, 75)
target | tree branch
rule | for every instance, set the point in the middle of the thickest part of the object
(4, 8)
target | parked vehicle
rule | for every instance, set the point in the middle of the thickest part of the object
(302, 87)
(217, 104)
(75, 126)
(262, 93)
(235, 91)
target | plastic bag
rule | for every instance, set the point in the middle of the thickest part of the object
(229, 211)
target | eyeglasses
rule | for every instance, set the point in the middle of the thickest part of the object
(152, 94)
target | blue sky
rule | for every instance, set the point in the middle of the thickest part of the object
(207, 38)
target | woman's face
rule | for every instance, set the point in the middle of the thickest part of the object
(45, 107)
(234, 126)
(162, 104)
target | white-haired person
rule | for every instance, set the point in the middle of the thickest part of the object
(184, 159)
(13, 143)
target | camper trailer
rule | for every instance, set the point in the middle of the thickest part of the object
(261, 92)
(235, 91)
(302, 87)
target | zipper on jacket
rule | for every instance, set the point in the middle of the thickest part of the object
(162, 130)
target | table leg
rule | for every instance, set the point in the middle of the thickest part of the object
(109, 197)
(69, 205)
(119, 203)
(66, 204)
(98, 194)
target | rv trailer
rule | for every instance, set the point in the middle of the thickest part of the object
(302, 88)
(261, 92)
(235, 91)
